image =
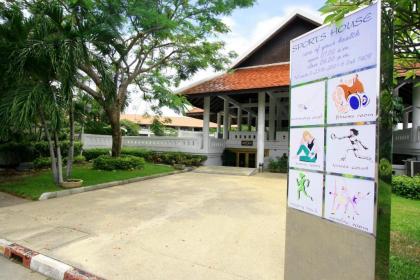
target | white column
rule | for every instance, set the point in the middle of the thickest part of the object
(272, 119)
(278, 114)
(405, 120)
(206, 123)
(218, 124)
(416, 112)
(260, 128)
(239, 119)
(225, 119)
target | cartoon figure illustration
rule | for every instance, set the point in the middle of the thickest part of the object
(356, 145)
(302, 185)
(308, 150)
(342, 198)
(350, 96)
(303, 107)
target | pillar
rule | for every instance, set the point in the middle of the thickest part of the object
(225, 119)
(218, 124)
(416, 112)
(260, 128)
(206, 123)
(239, 119)
(279, 114)
(272, 119)
(405, 120)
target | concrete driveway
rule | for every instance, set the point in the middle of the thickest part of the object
(184, 226)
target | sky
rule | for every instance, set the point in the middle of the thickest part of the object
(248, 27)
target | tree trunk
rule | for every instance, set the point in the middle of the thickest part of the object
(114, 119)
(59, 159)
(51, 147)
(70, 154)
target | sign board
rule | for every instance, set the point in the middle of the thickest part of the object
(247, 143)
(334, 77)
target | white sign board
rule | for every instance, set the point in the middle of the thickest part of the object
(334, 78)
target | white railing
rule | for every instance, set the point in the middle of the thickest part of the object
(404, 142)
(157, 143)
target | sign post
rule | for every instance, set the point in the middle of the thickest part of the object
(338, 201)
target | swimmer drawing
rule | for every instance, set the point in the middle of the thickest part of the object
(350, 96)
(357, 147)
(303, 185)
(343, 199)
(308, 149)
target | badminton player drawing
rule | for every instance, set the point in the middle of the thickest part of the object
(357, 147)
(351, 150)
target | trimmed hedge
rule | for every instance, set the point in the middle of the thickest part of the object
(13, 153)
(151, 156)
(406, 186)
(278, 165)
(125, 162)
(45, 162)
(94, 153)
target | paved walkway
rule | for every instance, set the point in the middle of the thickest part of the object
(184, 226)
(10, 200)
(226, 170)
(11, 270)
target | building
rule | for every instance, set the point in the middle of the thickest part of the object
(182, 125)
(253, 93)
(248, 105)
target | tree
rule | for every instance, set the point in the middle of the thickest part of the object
(400, 17)
(146, 44)
(37, 74)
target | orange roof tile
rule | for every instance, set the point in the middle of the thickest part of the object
(260, 77)
(168, 121)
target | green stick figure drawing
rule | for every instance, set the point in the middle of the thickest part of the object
(302, 185)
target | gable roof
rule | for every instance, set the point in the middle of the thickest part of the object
(167, 121)
(277, 29)
(260, 77)
(253, 77)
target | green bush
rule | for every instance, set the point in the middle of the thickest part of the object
(125, 162)
(151, 156)
(45, 162)
(42, 162)
(42, 149)
(137, 152)
(405, 186)
(94, 153)
(79, 159)
(279, 165)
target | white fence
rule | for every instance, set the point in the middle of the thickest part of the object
(405, 142)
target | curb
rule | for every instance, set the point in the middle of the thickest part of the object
(44, 265)
(49, 195)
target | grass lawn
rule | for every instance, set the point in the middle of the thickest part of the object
(405, 239)
(33, 186)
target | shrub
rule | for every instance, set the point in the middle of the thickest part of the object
(137, 152)
(125, 162)
(94, 153)
(42, 149)
(79, 159)
(405, 186)
(279, 165)
(42, 162)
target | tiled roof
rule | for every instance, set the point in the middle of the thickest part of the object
(168, 121)
(260, 77)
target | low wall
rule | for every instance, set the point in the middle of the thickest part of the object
(193, 145)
